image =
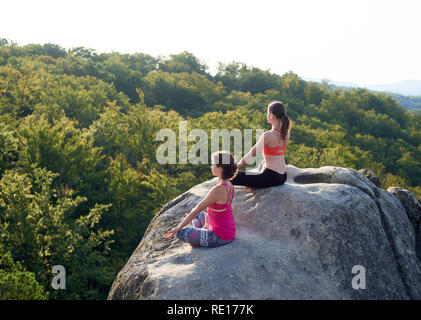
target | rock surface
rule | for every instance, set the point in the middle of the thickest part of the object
(300, 240)
(371, 176)
(409, 202)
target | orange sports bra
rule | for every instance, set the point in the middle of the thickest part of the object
(275, 151)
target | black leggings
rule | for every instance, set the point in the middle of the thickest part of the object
(265, 179)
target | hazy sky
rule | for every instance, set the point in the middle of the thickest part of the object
(365, 42)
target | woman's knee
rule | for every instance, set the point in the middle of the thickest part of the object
(188, 234)
(244, 179)
(181, 234)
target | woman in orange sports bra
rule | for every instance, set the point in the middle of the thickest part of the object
(274, 173)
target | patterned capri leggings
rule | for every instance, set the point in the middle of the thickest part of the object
(200, 237)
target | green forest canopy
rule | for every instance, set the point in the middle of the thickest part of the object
(79, 182)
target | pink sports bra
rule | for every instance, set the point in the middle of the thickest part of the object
(221, 219)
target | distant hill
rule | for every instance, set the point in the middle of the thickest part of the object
(335, 83)
(406, 88)
(407, 93)
(413, 104)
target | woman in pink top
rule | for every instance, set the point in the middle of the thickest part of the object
(217, 226)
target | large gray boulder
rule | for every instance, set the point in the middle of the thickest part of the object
(410, 203)
(371, 176)
(300, 240)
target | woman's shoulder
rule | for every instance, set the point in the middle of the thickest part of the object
(219, 192)
(219, 188)
(270, 135)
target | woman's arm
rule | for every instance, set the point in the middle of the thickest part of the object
(212, 196)
(206, 226)
(258, 147)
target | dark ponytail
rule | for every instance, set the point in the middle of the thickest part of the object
(278, 109)
(225, 160)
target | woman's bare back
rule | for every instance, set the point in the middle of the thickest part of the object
(275, 163)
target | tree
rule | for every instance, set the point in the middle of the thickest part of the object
(83, 52)
(48, 49)
(66, 150)
(20, 90)
(6, 42)
(15, 282)
(238, 76)
(8, 144)
(126, 80)
(37, 229)
(182, 62)
(188, 94)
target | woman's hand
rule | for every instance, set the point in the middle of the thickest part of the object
(170, 234)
